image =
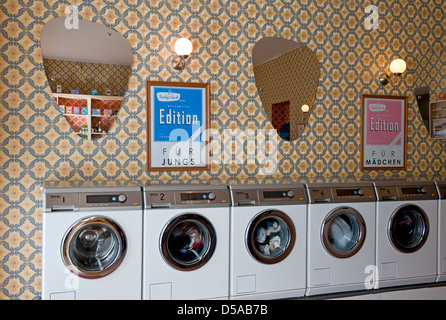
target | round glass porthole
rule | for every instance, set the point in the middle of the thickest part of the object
(343, 232)
(408, 228)
(94, 247)
(188, 242)
(270, 237)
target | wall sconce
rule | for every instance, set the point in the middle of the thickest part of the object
(397, 67)
(305, 108)
(183, 48)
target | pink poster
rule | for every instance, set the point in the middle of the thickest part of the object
(383, 132)
(385, 125)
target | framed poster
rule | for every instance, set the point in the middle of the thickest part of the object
(177, 120)
(383, 132)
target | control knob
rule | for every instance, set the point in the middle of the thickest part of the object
(211, 196)
(290, 194)
(122, 198)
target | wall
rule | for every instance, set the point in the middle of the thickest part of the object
(38, 144)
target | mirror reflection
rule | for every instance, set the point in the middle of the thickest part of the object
(88, 68)
(287, 76)
(429, 71)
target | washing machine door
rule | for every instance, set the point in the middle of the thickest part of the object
(270, 237)
(408, 228)
(94, 247)
(188, 242)
(343, 232)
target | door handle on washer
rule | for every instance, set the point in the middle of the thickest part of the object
(246, 203)
(160, 205)
(324, 200)
(62, 208)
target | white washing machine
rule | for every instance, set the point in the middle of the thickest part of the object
(341, 236)
(268, 241)
(441, 249)
(92, 241)
(186, 242)
(406, 234)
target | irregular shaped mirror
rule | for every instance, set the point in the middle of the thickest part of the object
(88, 67)
(429, 72)
(287, 76)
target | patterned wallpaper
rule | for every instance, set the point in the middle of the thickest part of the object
(38, 144)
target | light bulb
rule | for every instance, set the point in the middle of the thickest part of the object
(398, 66)
(183, 47)
(305, 108)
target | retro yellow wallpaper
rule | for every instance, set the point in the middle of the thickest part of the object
(37, 143)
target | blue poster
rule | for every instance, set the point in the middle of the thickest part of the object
(177, 113)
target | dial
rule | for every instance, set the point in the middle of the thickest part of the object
(122, 198)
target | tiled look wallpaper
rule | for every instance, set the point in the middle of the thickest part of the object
(38, 144)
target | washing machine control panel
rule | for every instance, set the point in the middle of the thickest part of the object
(387, 193)
(74, 201)
(169, 199)
(341, 194)
(106, 198)
(109, 199)
(354, 194)
(409, 192)
(61, 202)
(214, 197)
(295, 195)
(419, 192)
(253, 197)
(248, 197)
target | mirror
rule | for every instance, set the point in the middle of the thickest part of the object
(88, 68)
(287, 76)
(429, 72)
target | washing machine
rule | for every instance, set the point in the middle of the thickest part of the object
(441, 243)
(341, 236)
(406, 232)
(186, 242)
(92, 240)
(268, 241)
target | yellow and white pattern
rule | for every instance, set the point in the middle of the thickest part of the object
(37, 143)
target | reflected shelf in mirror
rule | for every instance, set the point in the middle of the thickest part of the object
(91, 58)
